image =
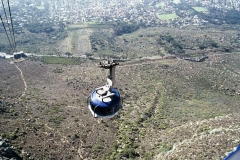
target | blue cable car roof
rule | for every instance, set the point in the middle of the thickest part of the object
(115, 99)
(234, 155)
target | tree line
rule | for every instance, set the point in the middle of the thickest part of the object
(39, 27)
(121, 28)
(214, 16)
(171, 45)
(217, 16)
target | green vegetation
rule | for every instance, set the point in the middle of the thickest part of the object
(121, 28)
(208, 44)
(53, 110)
(101, 41)
(200, 9)
(176, 1)
(41, 7)
(88, 25)
(170, 44)
(41, 38)
(160, 5)
(167, 16)
(57, 120)
(62, 60)
(40, 27)
(217, 16)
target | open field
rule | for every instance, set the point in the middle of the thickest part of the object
(193, 106)
(88, 25)
(41, 7)
(200, 9)
(176, 1)
(77, 42)
(61, 60)
(167, 16)
(160, 5)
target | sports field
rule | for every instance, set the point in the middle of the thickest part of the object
(176, 1)
(160, 5)
(167, 16)
(40, 7)
(88, 25)
(200, 9)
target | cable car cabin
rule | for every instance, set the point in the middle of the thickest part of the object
(234, 155)
(105, 101)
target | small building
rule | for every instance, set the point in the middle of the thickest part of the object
(19, 55)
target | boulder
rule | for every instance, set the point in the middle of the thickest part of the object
(3, 144)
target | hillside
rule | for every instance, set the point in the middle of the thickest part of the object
(173, 109)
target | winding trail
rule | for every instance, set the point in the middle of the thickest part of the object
(25, 84)
(64, 138)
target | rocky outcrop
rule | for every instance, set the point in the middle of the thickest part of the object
(7, 151)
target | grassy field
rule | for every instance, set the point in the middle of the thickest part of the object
(41, 7)
(77, 26)
(87, 25)
(200, 9)
(176, 1)
(167, 16)
(61, 60)
(160, 5)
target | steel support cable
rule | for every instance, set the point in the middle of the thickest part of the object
(6, 33)
(7, 23)
(12, 26)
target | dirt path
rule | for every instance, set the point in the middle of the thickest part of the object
(22, 76)
(64, 138)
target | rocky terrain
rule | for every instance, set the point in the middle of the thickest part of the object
(7, 151)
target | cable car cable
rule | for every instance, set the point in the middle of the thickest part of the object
(9, 8)
(7, 22)
(6, 33)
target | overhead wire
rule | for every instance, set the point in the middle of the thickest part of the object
(11, 38)
(6, 32)
(6, 17)
(9, 8)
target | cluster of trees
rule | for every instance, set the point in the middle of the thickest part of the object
(208, 43)
(121, 28)
(2, 30)
(5, 48)
(40, 27)
(217, 16)
(171, 45)
(35, 41)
